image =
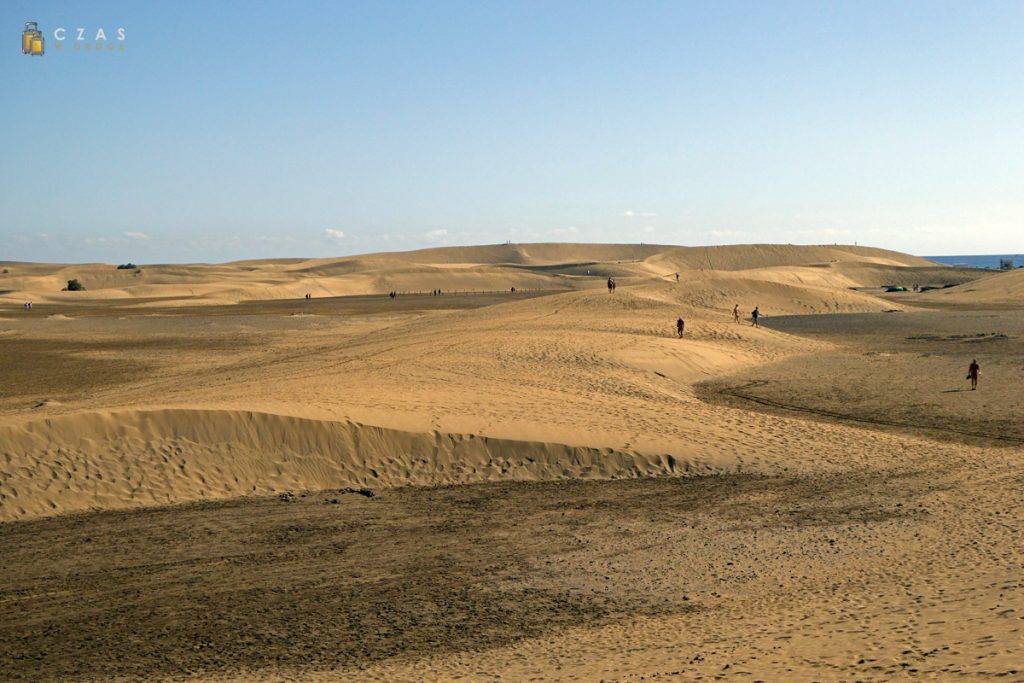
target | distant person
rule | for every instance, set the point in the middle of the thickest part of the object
(736, 312)
(754, 315)
(680, 325)
(972, 373)
(611, 285)
(677, 277)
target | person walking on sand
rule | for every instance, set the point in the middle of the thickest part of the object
(679, 326)
(972, 373)
(754, 315)
(736, 312)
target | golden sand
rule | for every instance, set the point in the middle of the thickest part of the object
(873, 533)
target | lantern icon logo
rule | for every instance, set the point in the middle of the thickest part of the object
(32, 39)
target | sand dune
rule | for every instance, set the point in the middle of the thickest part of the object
(597, 378)
(824, 498)
(997, 288)
(497, 267)
(784, 290)
(133, 458)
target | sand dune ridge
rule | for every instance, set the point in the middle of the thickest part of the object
(120, 459)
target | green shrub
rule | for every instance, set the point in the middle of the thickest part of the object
(127, 266)
(75, 286)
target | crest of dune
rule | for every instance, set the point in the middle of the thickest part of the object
(997, 288)
(525, 266)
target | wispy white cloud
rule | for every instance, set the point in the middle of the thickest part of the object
(639, 214)
(438, 235)
(136, 235)
(648, 228)
(571, 230)
(727, 233)
(333, 234)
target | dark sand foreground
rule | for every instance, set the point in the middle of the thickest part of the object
(757, 575)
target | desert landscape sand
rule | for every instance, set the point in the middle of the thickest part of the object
(562, 489)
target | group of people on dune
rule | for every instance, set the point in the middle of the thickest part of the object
(973, 370)
(754, 316)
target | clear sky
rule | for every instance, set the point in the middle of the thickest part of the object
(229, 130)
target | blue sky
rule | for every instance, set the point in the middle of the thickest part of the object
(229, 130)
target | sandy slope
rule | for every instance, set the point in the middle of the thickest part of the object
(499, 267)
(584, 369)
(581, 368)
(830, 544)
(997, 288)
(135, 458)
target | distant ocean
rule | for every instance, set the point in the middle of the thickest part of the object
(979, 260)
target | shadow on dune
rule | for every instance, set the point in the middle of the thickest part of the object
(328, 581)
